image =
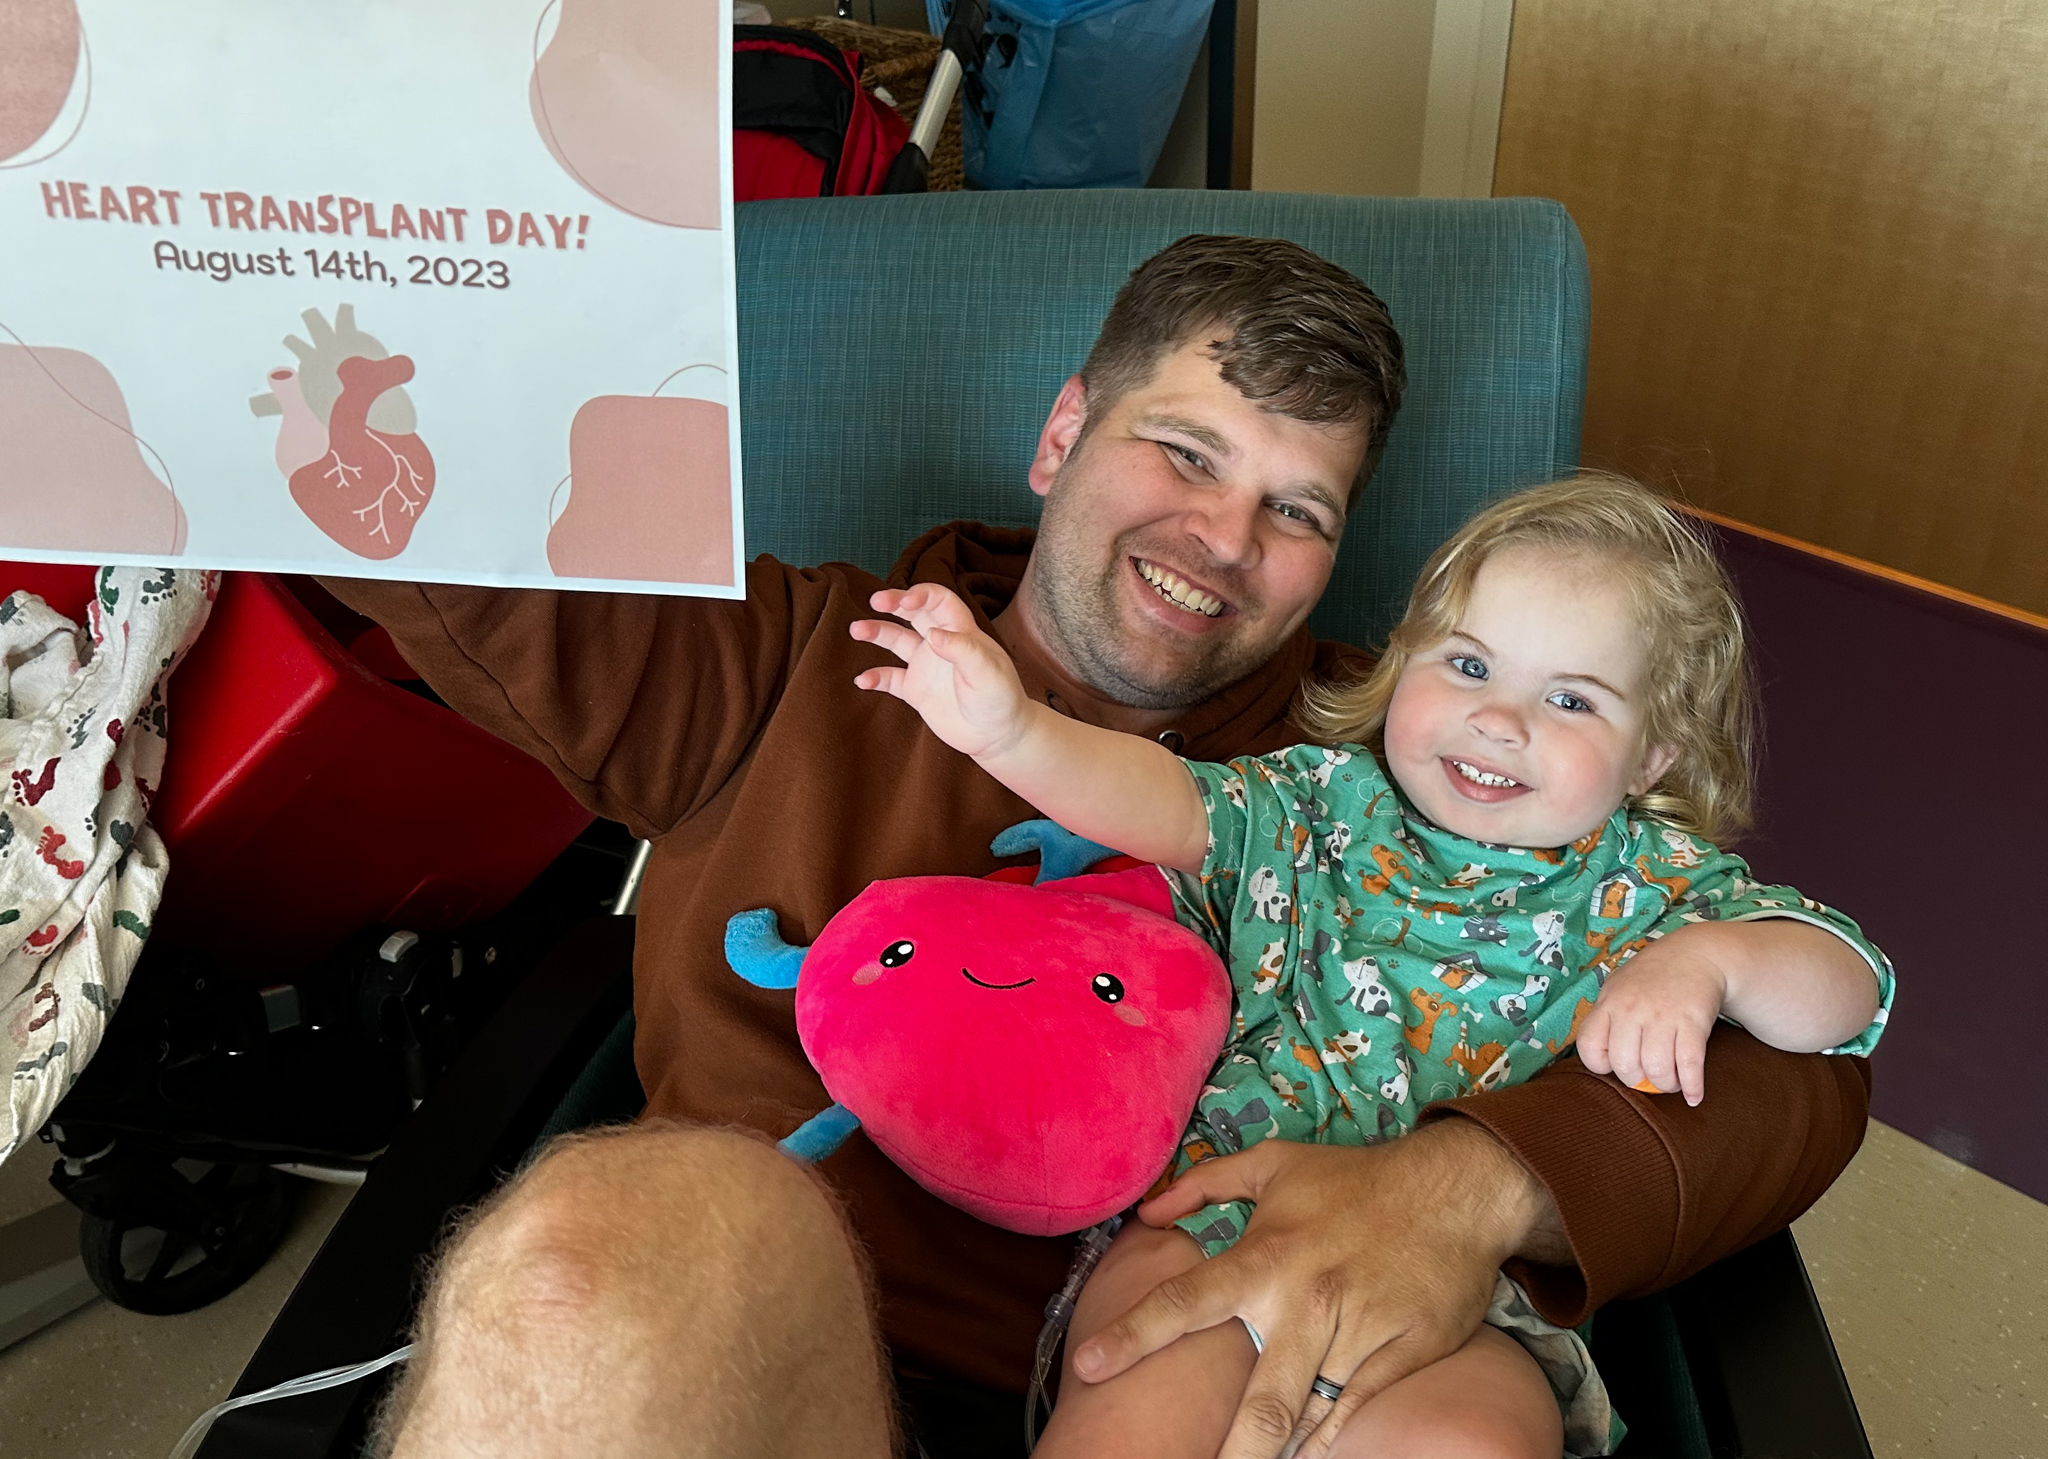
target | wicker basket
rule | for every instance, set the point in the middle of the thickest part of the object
(898, 62)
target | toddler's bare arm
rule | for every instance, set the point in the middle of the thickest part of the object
(1795, 986)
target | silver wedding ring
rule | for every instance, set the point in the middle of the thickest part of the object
(1323, 1388)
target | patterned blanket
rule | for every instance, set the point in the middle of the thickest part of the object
(81, 871)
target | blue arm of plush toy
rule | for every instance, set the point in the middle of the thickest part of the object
(1061, 853)
(819, 1135)
(756, 951)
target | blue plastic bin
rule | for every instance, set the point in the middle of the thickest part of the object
(1076, 93)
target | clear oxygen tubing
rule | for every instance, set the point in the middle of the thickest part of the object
(1058, 1313)
(626, 903)
(290, 1388)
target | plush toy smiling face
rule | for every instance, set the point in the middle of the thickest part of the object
(1029, 1053)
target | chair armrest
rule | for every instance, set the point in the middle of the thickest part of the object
(356, 1301)
(1765, 1369)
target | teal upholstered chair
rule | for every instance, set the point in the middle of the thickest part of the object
(897, 356)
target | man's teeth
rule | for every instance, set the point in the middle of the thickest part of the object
(1482, 777)
(1178, 591)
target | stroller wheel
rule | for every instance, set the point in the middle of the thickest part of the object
(187, 1261)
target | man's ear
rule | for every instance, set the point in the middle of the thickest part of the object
(1057, 437)
(1656, 760)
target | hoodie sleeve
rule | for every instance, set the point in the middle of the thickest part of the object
(641, 705)
(1650, 1190)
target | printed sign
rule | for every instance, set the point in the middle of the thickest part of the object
(375, 288)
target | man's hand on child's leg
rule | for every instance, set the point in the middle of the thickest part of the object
(1337, 1271)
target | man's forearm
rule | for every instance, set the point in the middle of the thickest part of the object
(639, 704)
(1529, 1225)
(1544, 1242)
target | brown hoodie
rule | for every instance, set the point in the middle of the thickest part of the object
(732, 736)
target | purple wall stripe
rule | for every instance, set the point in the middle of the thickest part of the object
(1899, 783)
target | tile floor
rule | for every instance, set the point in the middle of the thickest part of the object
(1934, 1279)
(108, 1384)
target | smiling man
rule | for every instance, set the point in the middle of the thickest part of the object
(1192, 536)
(680, 1288)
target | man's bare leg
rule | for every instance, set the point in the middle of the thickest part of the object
(652, 1291)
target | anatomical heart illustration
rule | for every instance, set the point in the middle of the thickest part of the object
(650, 492)
(40, 48)
(346, 441)
(73, 473)
(626, 98)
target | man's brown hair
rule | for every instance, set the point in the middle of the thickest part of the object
(1292, 333)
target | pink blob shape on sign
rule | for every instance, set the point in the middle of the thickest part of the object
(626, 99)
(39, 50)
(650, 495)
(72, 471)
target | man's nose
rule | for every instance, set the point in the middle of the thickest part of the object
(1226, 523)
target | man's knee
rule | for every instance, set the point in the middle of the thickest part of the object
(654, 1258)
(617, 1211)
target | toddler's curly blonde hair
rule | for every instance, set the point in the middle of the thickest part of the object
(1699, 699)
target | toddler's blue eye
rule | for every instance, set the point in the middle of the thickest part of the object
(1571, 702)
(1470, 667)
(896, 954)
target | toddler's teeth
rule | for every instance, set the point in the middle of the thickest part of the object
(1483, 777)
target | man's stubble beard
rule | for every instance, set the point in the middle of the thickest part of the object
(1075, 615)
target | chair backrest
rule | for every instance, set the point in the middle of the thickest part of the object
(898, 355)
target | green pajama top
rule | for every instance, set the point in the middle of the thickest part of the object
(1381, 963)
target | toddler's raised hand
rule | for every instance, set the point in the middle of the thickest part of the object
(1650, 1024)
(954, 675)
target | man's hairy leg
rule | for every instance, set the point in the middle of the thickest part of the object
(648, 1291)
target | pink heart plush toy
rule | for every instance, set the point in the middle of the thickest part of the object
(1029, 1053)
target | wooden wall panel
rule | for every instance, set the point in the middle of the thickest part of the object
(1819, 243)
(1343, 91)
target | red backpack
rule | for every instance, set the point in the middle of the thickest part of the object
(803, 127)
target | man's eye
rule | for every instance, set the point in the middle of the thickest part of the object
(1470, 667)
(1571, 702)
(1192, 458)
(1296, 513)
